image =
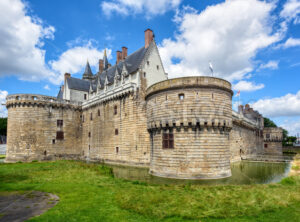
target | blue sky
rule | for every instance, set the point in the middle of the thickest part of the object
(254, 44)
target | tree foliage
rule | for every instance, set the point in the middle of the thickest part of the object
(3, 126)
(269, 123)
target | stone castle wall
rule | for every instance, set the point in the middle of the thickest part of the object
(197, 110)
(246, 139)
(32, 127)
(273, 140)
(121, 137)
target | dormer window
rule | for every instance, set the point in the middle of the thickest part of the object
(85, 96)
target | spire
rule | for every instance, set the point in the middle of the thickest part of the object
(88, 72)
(105, 61)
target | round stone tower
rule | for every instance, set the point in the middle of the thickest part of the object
(42, 128)
(189, 120)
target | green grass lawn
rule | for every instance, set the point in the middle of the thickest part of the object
(2, 156)
(89, 192)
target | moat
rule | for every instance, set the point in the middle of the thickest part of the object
(242, 173)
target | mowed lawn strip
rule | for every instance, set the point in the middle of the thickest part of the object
(89, 192)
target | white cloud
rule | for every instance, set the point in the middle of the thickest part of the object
(21, 40)
(288, 105)
(147, 7)
(291, 42)
(247, 86)
(291, 11)
(269, 65)
(3, 111)
(74, 59)
(21, 53)
(229, 34)
(47, 87)
(292, 125)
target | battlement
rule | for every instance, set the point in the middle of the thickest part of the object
(190, 82)
(41, 100)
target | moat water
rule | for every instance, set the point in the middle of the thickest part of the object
(242, 173)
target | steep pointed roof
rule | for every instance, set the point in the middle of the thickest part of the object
(105, 61)
(88, 71)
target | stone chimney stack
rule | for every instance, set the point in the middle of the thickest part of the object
(241, 109)
(148, 37)
(67, 75)
(101, 65)
(119, 56)
(124, 52)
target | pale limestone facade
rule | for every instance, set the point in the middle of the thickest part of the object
(273, 140)
(127, 112)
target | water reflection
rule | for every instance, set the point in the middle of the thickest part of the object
(242, 173)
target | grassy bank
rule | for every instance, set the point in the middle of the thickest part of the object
(2, 156)
(89, 192)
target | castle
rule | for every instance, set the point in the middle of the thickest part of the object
(132, 114)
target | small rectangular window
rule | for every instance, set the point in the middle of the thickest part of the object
(268, 136)
(117, 149)
(98, 112)
(89, 134)
(60, 123)
(168, 141)
(85, 96)
(91, 117)
(53, 141)
(144, 74)
(148, 63)
(115, 110)
(181, 96)
(266, 145)
(83, 118)
(116, 132)
(59, 135)
(157, 67)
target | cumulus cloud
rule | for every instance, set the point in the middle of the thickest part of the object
(288, 105)
(3, 111)
(247, 86)
(291, 42)
(291, 11)
(292, 126)
(74, 59)
(21, 47)
(228, 34)
(269, 65)
(21, 40)
(147, 7)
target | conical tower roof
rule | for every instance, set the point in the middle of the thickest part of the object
(105, 61)
(87, 72)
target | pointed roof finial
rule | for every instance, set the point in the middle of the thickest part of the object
(104, 52)
(105, 61)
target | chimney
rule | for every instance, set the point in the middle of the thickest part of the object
(241, 109)
(101, 65)
(119, 56)
(109, 65)
(67, 75)
(148, 37)
(124, 52)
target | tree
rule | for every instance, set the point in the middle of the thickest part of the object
(269, 123)
(3, 126)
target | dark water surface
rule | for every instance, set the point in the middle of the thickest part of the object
(242, 173)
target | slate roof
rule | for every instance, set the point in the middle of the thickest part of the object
(78, 84)
(132, 63)
(60, 93)
(87, 71)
